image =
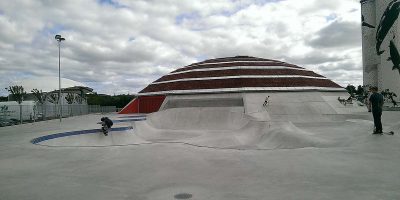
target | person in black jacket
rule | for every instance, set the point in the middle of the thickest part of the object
(106, 124)
(376, 102)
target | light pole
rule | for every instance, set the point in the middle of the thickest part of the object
(59, 39)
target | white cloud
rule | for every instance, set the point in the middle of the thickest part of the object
(122, 47)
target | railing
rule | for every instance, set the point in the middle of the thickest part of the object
(10, 114)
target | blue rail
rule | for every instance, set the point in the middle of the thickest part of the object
(72, 133)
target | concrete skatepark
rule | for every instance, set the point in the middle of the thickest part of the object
(313, 148)
(202, 132)
(249, 126)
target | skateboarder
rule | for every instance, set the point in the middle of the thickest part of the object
(106, 124)
(266, 102)
(376, 104)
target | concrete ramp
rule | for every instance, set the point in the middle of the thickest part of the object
(223, 129)
(299, 107)
(205, 118)
(288, 136)
(251, 126)
(150, 133)
(257, 135)
(354, 107)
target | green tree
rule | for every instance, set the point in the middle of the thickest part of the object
(118, 101)
(360, 90)
(18, 94)
(351, 90)
(41, 99)
(389, 96)
(3, 99)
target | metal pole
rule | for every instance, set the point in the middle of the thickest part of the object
(59, 39)
(59, 79)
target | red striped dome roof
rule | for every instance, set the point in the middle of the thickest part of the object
(239, 74)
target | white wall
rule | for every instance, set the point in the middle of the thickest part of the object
(377, 68)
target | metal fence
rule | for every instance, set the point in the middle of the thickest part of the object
(51, 111)
(10, 114)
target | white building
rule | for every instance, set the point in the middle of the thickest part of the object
(381, 43)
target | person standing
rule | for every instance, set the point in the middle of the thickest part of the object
(376, 103)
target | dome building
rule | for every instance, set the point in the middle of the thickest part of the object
(231, 81)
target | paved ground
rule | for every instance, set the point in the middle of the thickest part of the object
(358, 166)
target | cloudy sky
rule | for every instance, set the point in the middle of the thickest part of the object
(120, 46)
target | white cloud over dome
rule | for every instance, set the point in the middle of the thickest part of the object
(121, 46)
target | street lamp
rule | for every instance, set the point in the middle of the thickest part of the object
(59, 39)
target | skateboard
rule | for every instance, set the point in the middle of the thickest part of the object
(105, 132)
(386, 133)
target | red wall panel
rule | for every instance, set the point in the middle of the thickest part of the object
(131, 107)
(149, 104)
(143, 104)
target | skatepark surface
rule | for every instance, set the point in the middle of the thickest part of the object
(295, 148)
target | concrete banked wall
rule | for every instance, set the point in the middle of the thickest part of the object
(205, 118)
(223, 127)
(251, 126)
(295, 107)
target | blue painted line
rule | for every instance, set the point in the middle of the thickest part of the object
(72, 133)
(129, 120)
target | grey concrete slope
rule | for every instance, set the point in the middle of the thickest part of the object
(223, 128)
(199, 118)
(299, 106)
(365, 168)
